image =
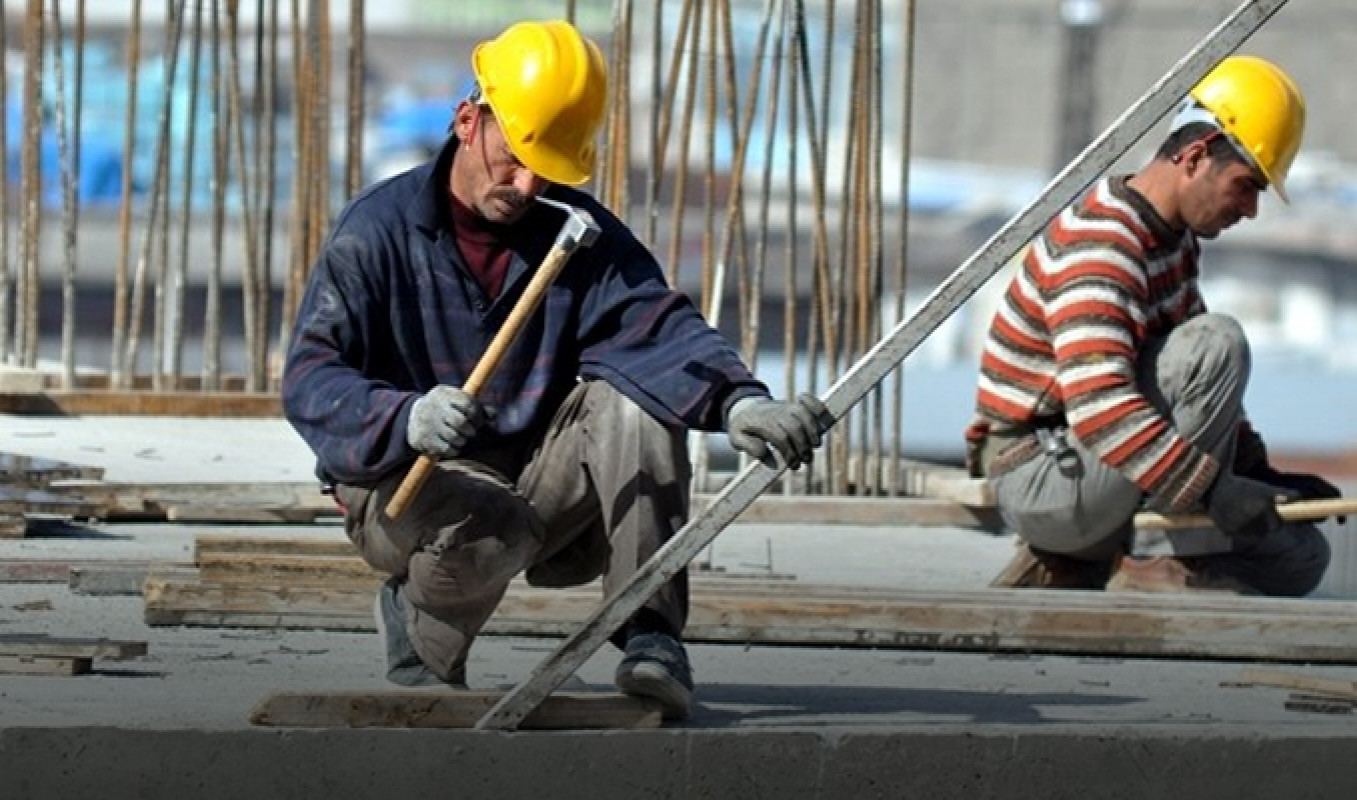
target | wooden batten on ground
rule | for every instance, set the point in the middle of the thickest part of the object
(320, 584)
(155, 403)
(33, 654)
(26, 491)
(448, 709)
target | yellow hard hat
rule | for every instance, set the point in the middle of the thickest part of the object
(547, 85)
(1259, 105)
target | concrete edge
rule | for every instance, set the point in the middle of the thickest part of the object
(112, 763)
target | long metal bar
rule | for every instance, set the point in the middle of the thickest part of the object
(883, 358)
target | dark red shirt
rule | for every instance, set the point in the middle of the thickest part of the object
(481, 244)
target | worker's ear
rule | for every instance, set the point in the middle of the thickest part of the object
(464, 121)
(1192, 158)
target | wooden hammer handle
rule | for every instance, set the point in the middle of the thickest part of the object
(1289, 512)
(504, 337)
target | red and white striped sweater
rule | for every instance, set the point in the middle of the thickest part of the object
(1106, 274)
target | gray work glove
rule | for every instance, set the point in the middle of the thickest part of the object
(442, 421)
(792, 429)
(1244, 507)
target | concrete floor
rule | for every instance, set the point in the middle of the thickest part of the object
(769, 722)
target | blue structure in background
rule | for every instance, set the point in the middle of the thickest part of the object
(104, 121)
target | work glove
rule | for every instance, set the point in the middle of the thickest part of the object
(755, 424)
(1244, 507)
(1305, 485)
(443, 421)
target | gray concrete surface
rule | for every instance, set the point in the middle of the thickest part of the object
(769, 722)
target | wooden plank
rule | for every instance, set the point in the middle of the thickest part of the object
(43, 665)
(123, 580)
(142, 403)
(278, 516)
(1099, 624)
(14, 500)
(40, 472)
(12, 526)
(1314, 684)
(301, 499)
(207, 545)
(448, 709)
(346, 571)
(25, 644)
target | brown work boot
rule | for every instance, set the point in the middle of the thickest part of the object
(1038, 569)
(1170, 575)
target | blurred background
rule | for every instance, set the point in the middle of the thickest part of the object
(807, 170)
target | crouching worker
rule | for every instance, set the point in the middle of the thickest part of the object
(1105, 386)
(571, 462)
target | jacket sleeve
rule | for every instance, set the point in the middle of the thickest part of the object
(355, 425)
(651, 344)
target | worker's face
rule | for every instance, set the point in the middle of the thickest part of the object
(486, 176)
(1219, 192)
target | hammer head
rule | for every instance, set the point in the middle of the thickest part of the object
(579, 230)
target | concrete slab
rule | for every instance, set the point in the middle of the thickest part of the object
(769, 722)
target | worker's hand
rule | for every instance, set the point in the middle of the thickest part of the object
(1244, 507)
(791, 429)
(443, 421)
(1305, 485)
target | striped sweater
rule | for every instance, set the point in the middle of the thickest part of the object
(1106, 274)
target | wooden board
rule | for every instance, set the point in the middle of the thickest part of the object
(12, 526)
(25, 644)
(43, 665)
(1088, 623)
(142, 403)
(123, 580)
(1331, 687)
(206, 545)
(40, 472)
(295, 501)
(862, 511)
(17, 500)
(433, 708)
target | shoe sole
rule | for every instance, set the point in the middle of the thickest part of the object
(653, 681)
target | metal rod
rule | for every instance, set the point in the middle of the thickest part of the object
(893, 477)
(69, 171)
(116, 368)
(179, 269)
(675, 555)
(30, 180)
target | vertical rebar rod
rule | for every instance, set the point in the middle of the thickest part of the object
(211, 372)
(120, 272)
(68, 201)
(772, 112)
(655, 164)
(270, 148)
(255, 366)
(790, 268)
(297, 212)
(679, 200)
(6, 285)
(894, 482)
(179, 268)
(26, 317)
(357, 65)
(158, 191)
(709, 157)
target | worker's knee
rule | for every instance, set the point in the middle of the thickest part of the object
(1217, 338)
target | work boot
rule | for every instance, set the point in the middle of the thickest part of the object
(1172, 575)
(1037, 569)
(403, 665)
(655, 666)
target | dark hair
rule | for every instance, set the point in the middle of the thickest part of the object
(1218, 149)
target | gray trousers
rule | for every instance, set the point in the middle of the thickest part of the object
(606, 487)
(1064, 499)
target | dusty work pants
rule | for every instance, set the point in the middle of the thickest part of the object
(606, 487)
(1064, 499)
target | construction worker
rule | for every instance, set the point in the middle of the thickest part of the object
(571, 462)
(1105, 386)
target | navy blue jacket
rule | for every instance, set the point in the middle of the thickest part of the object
(391, 310)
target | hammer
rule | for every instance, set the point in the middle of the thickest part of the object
(579, 230)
